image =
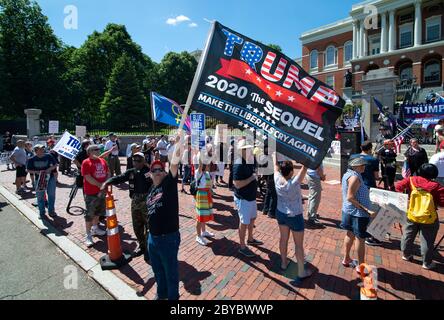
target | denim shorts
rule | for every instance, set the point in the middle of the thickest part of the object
(357, 225)
(295, 223)
(247, 210)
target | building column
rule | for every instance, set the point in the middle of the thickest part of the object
(384, 32)
(360, 42)
(355, 39)
(365, 43)
(418, 23)
(392, 32)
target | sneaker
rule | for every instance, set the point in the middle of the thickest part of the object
(373, 242)
(97, 231)
(407, 258)
(201, 240)
(89, 241)
(429, 266)
(53, 214)
(255, 242)
(247, 252)
(315, 223)
(207, 234)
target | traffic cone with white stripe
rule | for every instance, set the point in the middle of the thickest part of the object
(115, 257)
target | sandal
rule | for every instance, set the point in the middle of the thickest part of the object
(299, 280)
(352, 263)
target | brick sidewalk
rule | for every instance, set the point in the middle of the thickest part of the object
(219, 272)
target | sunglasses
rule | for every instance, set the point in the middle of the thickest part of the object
(158, 170)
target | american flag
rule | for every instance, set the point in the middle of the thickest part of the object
(406, 173)
(398, 143)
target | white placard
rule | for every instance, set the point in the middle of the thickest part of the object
(68, 146)
(53, 127)
(336, 147)
(80, 131)
(383, 222)
(398, 201)
(4, 157)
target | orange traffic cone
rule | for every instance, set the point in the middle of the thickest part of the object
(115, 257)
(369, 286)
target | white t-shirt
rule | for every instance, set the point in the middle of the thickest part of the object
(205, 182)
(162, 146)
(438, 161)
(289, 195)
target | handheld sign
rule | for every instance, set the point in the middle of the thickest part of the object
(68, 146)
(253, 87)
(53, 127)
(197, 130)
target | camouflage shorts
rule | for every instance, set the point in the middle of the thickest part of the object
(95, 206)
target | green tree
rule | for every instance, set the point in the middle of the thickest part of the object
(32, 68)
(275, 47)
(93, 63)
(175, 75)
(124, 103)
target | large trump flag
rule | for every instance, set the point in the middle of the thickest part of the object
(251, 86)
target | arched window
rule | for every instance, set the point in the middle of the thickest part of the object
(314, 59)
(405, 72)
(432, 71)
(331, 56)
(348, 51)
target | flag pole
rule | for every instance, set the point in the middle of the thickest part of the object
(398, 135)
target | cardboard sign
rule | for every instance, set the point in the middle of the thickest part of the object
(398, 201)
(53, 127)
(80, 131)
(384, 221)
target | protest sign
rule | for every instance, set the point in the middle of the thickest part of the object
(254, 87)
(383, 222)
(4, 157)
(398, 201)
(68, 146)
(80, 131)
(197, 130)
(336, 147)
(53, 127)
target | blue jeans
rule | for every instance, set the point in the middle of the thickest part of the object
(163, 255)
(51, 192)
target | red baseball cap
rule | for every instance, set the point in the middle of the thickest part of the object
(157, 162)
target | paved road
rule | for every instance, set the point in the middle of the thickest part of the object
(32, 267)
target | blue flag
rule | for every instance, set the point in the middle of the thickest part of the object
(167, 111)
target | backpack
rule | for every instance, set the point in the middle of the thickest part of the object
(421, 207)
(194, 184)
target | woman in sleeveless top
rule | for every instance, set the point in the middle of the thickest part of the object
(355, 212)
(203, 202)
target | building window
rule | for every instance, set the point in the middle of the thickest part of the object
(432, 71)
(331, 56)
(348, 51)
(375, 45)
(406, 35)
(433, 29)
(314, 59)
(406, 72)
(330, 81)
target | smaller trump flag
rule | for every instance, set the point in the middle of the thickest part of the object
(167, 111)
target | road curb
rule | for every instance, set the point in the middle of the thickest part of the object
(106, 279)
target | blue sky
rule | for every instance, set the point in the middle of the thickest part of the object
(280, 21)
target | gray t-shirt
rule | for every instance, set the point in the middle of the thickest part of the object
(289, 195)
(19, 155)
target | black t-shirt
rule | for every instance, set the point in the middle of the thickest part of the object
(81, 156)
(139, 180)
(242, 172)
(163, 207)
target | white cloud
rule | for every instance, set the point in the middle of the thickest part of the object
(208, 20)
(177, 20)
(193, 25)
